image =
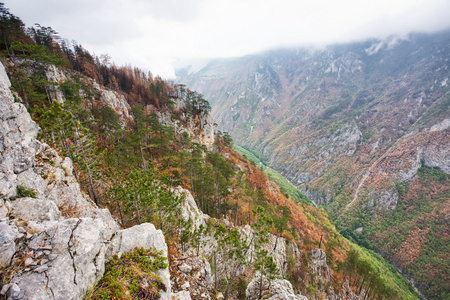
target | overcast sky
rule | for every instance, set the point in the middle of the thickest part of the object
(157, 35)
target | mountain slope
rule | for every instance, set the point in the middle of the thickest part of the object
(349, 125)
(147, 150)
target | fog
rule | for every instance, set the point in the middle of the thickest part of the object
(158, 35)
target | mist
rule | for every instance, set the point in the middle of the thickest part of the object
(158, 35)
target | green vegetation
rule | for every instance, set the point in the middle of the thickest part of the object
(285, 186)
(369, 271)
(235, 246)
(335, 109)
(251, 154)
(427, 173)
(23, 191)
(132, 276)
(132, 165)
(436, 112)
(412, 235)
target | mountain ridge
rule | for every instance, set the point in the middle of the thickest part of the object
(348, 124)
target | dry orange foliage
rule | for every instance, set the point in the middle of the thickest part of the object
(307, 230)
(409, 250)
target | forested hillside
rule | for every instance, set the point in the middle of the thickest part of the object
(362, 129)
(147, 150)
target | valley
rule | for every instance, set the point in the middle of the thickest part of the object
(295, 173)
(355, 127)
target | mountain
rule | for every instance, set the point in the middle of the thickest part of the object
(115, 184)
(362, 129)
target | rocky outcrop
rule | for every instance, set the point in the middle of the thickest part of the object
(189, 209)
(142, 236)
(17, 140)
(273, 290)
(385, 199)
(200, 128)
(192, 275)
(54, 240)
(56, 76)
(318, 263)
(116, 101)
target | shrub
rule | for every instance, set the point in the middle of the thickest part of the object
(23, 191)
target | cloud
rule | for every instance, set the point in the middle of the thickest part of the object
(154, 34)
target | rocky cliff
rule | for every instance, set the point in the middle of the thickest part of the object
(54, 240)
(191, 269)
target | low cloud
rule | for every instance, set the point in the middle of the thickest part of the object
(154, 34)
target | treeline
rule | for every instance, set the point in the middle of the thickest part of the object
(131, 166)
(44, 45)
(106, 150)
(364, 277)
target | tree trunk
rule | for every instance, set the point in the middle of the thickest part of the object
(260, 286)
(276, 243)
(88, 169)
(137, 209)
(13, 58)
(233, 275)
(362, 283)
(144, 162)
(91, 183)
(120, 213)
(215, 270)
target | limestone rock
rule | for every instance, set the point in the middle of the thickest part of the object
(318, 263)
(56, 244)
(191, 274)
(274, 290)
(182, 295)
(200, 128)
(145, 236)
(56, 75)
(438, 156)
(189, 208)
(386, 200)
(7, 245)
(17, 140)
(42, 214)
(115, 101)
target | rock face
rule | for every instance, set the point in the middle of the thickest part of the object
(53, 245)
(56, 75)
(277, 289)
(189, 209)
(116, 101)
(318, 263)
(17, 141)
(192, 275)
(320, 116)
(200, 128)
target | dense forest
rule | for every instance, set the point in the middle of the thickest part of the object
(132, 164)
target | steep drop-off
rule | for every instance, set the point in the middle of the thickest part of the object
(350, 125)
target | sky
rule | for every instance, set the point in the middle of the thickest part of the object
(161, 35)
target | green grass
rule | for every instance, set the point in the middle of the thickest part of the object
(248, 155)
(23, 191)
(285, 186)
(390, 276)
(131, 277)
